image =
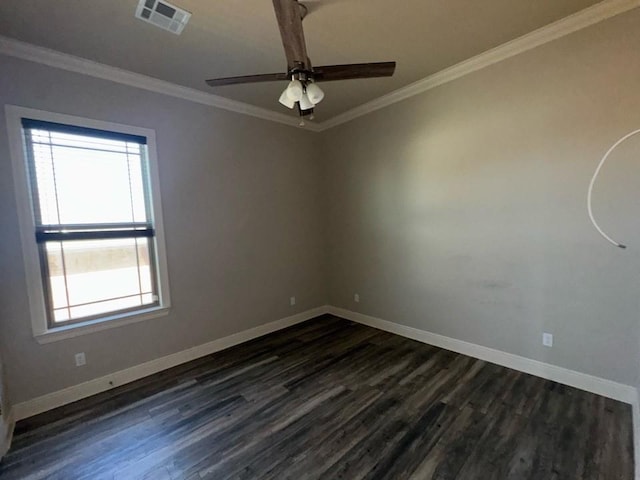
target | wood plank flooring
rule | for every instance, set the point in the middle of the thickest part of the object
(330, 399)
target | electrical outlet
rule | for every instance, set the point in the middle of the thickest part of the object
(356, 298)
(292, 301)
(80, 359)
(547, 340)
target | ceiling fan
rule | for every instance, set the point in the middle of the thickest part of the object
(302, 90)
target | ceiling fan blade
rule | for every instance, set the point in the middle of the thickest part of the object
(329, 73)
(265, 77)
(288, 14)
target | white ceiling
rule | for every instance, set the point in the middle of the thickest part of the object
(232, 37)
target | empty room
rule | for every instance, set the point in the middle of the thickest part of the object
(319, 239)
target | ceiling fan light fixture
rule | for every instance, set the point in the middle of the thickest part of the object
(285, 100)
(305, 103)
(295, 90)
(315, 93)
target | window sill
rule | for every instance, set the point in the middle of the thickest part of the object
(92, 326)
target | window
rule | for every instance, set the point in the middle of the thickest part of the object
(95, 222)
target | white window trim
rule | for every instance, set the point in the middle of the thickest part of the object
(41, 331)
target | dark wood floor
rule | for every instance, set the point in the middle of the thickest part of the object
(330, 399)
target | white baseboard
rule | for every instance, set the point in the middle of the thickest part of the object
(583, 381)
(6, 432)
(77, 392)
(635, 408)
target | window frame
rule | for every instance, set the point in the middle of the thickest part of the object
(32, 257)
(61, 232)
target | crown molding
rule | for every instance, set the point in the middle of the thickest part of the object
(579, 20)
(582, 19)
(52, 58)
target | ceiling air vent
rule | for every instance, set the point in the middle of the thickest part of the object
(163, 15)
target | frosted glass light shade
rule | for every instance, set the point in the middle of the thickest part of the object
(295, 90)
(315, 93)
(286, 101)
(305, 103)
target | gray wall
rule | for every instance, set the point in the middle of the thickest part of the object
(462, 211)
(242, 205)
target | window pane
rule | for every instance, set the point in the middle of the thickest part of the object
(143, 265)
(61, 315)
(90, 277)
(82, 179)
(105, 306)
(57, 285)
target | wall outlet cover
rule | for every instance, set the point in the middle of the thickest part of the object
(80, 359)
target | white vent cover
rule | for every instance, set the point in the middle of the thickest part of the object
(162, 14)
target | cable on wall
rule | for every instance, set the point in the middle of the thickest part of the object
(593, 181)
